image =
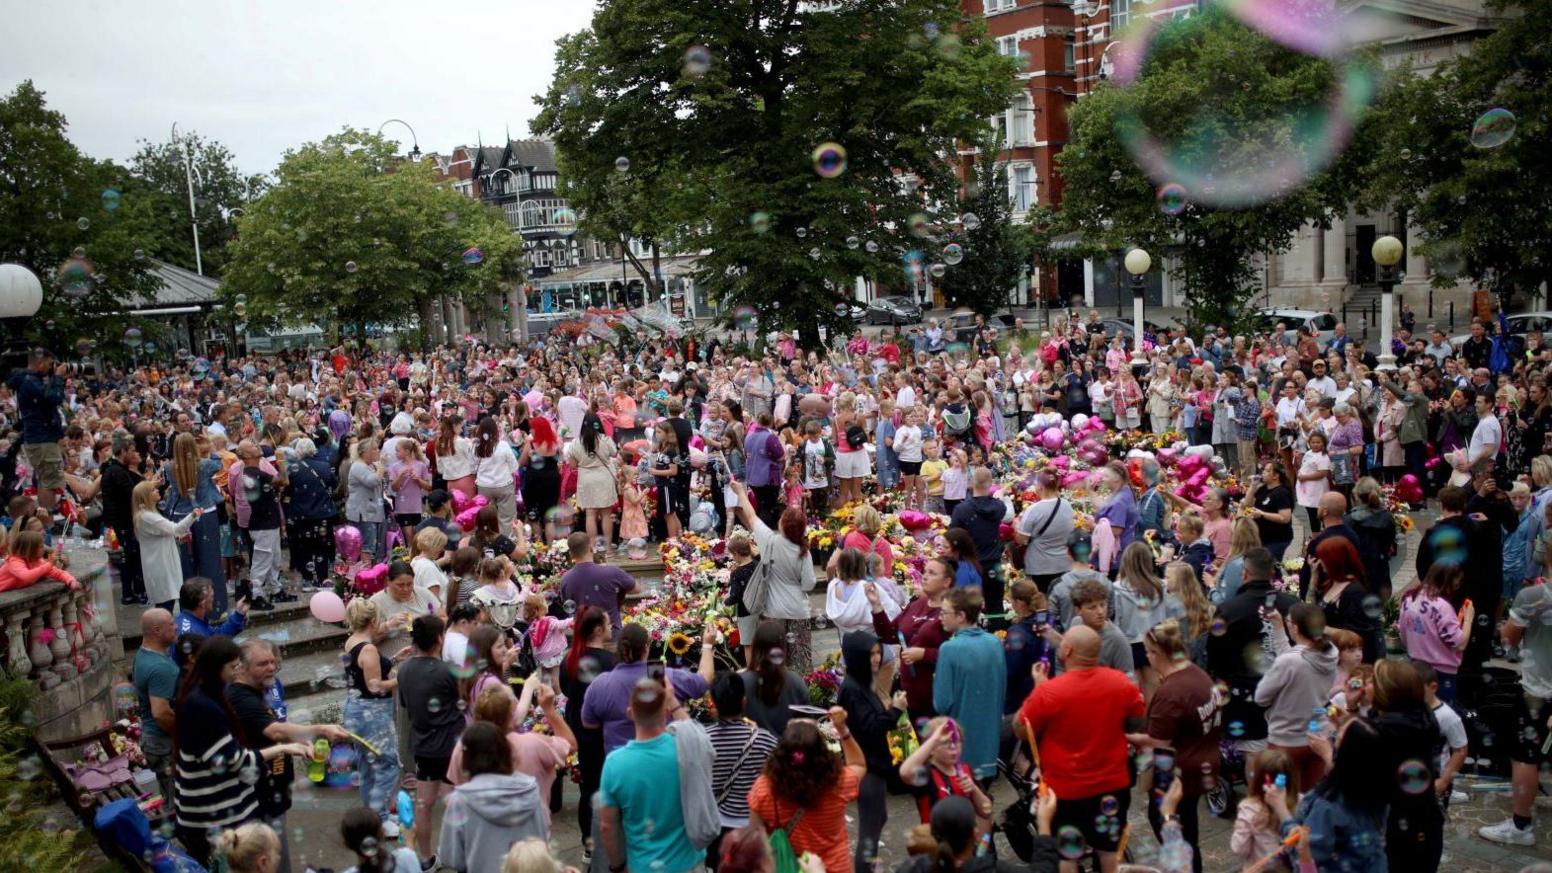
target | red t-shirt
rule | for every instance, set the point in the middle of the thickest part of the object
(1079, 722)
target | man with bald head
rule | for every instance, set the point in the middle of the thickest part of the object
(156, 683)
(1333, 507)
(1078, 722)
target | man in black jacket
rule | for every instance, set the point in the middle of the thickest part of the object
(1333, 511)
(1238, 651)
(118, 487)
(982, 516)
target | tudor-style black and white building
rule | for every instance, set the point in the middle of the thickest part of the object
(522, 180)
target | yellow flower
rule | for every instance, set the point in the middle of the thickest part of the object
(679, 643)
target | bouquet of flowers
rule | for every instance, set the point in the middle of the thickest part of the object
(824, 681)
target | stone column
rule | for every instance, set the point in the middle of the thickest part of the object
(1088, 284)
(1334, 262)
(1414, 287)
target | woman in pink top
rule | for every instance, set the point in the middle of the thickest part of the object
(537, 754)
(1430, 628)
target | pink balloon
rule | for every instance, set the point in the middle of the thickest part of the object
(1167, 457)
(372, 579)
(327, 607)
(1060, 462)
(1053, 439)
(1073, 480)
(1409, 489)
(914, 520)
(480, 501)
(697, 443)
(460, 501)
(347, 541)
(466, 518)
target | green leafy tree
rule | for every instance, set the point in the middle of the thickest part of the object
(54, 202)
(995, 250)
(720, 110)
(221, 194)
(350, 237)
(1485, 213)
(1243, 118)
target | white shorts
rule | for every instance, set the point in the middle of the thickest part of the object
(852, 465)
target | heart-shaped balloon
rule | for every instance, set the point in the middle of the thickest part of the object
(466, 519)
(372, 579)
(915, 520)
(347, 541)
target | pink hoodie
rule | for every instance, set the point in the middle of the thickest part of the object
(16, 573)
(1431, 632)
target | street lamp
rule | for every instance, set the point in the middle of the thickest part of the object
(20, 296)
(1137, 263)
(188, 174)
(414, 140)
(1387, 252)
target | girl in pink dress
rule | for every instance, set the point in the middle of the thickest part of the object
(633, 518)
(547, 635)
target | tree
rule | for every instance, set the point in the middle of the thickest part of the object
(723, 113)
(1485, 213)
(220, 191)
(55, 202)
(1260, 126)
(351, 237)
(995, 250)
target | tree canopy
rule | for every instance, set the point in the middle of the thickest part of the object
(85, 227)
(1254, 137)
(724, 113)
(1485, 209)
(349, 236)
(995, 251)
(221, 194)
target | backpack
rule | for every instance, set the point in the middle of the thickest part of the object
(957, 423)
(856, 437)
(784, 860)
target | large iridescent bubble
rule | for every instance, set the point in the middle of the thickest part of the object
(1224, 155)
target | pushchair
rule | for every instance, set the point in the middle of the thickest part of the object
(1017, 822)
(1222, 798)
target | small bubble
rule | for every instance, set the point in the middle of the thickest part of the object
(350, 266)
(83, 223)
(953, 253)
(473, 257)
(970, 221)
(829, 160)
(110, 199)
(1413, 777)
(697, 60)
(622, 164)
(1069, 843)
(872, 247)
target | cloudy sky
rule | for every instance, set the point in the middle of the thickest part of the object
(262, 76)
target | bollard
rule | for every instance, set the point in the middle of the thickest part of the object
(1452, 313)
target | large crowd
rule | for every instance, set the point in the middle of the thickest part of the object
(1139, 631)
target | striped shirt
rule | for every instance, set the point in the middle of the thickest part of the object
(216, 777)
(741, 749)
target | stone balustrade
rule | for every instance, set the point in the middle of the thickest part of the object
(66, 642)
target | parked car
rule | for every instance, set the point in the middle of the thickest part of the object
(855, 311)
(894, 310)
(1123, 326)
(1324, 323)
(1520, 324)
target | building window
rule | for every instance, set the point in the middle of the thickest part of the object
(1120, 14)
(512, 211)
(1069, 56)
(1000, 128)
(1023, 119)
(1021, 187)
(541, 214)
(997, 5)
(1007, 46)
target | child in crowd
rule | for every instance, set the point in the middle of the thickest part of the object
(937, 772)
(956, 480)
(932, 470)
(883, 435)
(497, 596)
(363, 834)
(907, 445)
(1452, 737)
(633, 514)
(741, 548)
(1079, 548)
(1196, 548)
(792, 490)
(547, 635)
(463, 576)
(1431, 629)
(816, 456)
(1257, 829)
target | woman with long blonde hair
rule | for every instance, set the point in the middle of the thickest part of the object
(1243, 537)
(1197, 611)
(1140, 603)
(191, 477)
(158, 536)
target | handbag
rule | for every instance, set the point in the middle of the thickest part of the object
(784, 860)
(757, 593)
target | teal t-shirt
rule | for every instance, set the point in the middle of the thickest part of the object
(641, 780)
(154, 675)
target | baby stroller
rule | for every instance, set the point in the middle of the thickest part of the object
(1017, 822)
(1222, 798)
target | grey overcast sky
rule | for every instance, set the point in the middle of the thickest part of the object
(262, 76)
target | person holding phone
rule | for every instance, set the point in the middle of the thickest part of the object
(1183, 730)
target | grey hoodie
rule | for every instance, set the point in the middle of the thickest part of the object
(485, 816)
(1298, 684)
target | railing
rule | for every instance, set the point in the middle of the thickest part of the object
(52, 634)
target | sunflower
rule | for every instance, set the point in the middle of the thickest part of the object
(679, 643)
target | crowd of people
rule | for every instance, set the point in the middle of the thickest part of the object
(1156, 647)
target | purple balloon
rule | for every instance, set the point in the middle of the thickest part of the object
(1053, 438)
(347, 540)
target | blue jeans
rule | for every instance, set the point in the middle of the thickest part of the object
(372, 720)
(371, 538)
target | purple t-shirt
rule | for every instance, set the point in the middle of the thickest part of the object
(604, 704)
(599, 586)
(409, 495)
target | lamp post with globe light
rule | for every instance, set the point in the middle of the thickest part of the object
(21, 294)
(1137, 263)
(1387, 252)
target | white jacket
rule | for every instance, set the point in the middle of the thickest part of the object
(159, 559)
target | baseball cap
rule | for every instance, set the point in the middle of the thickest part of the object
(437, 499)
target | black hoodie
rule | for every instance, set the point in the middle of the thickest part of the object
(1231, 655)
(869, 719)
(982, 517)
(1411, 735)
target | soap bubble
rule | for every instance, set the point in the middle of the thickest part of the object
(697, 60)
(1069, 843)
(815, 253)
(565, 221)
(1172, 198)
(829, 160)
(759, 222)
(473, 257)
(871, 246)
(240, 308)
(84, 346)
(76, 276)
(776, 656)
(1493, 128)
(78, 252)
(970, 221)
(560, 517)
(937, 270)
(83, 223)
(953, 253)
(1226, 157)
(802, 233)
(745, 317)
(1413, 777)
(1236, 729)
(853, 242)
(1449, 545)
(1109, 805)
(569, 606)
(350, 267)
(622, 164)
(110, 199)
(133, 337)
(139, 253)
(919, 225)
(842, 310)
(1313, 27)
(1372, 607)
